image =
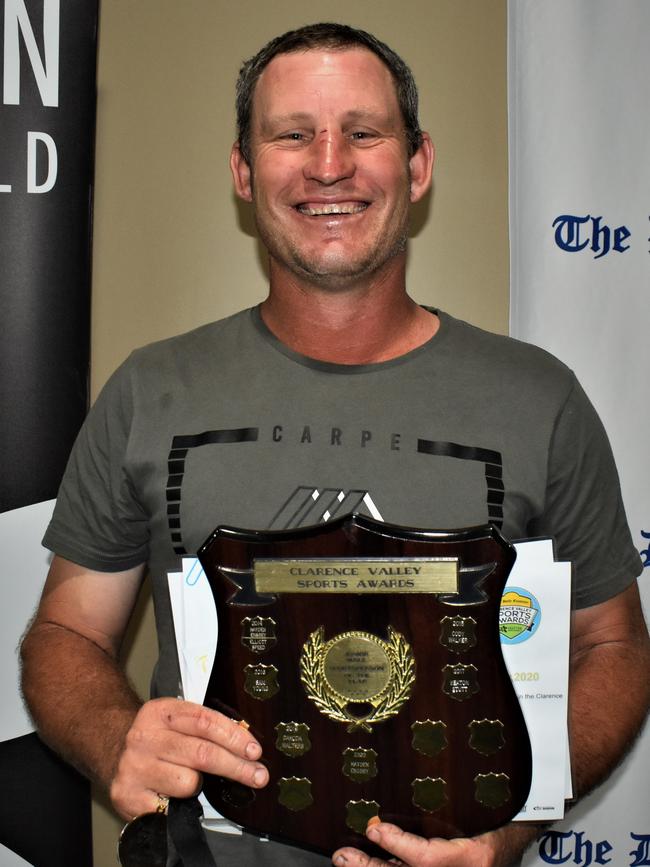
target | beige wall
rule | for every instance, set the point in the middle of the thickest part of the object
(171, 247)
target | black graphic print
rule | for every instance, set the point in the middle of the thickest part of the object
(309, 504)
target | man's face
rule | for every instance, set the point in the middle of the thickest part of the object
(330, 177)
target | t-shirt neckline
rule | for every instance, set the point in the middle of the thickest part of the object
(335, 367)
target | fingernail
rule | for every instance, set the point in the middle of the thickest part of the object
(253, 750)
(373, 834)
(373, 820)
(259, 777)
(340, 859)
(243, 724)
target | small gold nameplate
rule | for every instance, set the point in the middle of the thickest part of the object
(429, 794)
(295, 793)
(492, 790)
(358, 575)
(359, 813)
(293, 738)
(429, 737)
(359, 764)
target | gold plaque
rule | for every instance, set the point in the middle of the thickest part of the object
(458, 634)
(357, 575)
(261, 681)
(357, 677)
(359, 813)
(492, 790)
(359, 764)
(486, 736)
(293, 738)
(429, 737)
(258, 633)
(460, 681)
(295, 793)
(429, 794)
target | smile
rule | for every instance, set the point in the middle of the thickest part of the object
(334, 208)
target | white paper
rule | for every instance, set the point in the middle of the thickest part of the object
(539, 590)
(25, 565)
(196, 627)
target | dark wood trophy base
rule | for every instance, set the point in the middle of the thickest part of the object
(366, 659)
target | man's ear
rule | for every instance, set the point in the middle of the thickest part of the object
(421, 167)
(241, 174)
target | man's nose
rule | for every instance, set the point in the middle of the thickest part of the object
(331, 159)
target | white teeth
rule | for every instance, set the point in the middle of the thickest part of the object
(321, 210)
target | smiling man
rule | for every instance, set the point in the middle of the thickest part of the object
(339, 393)
(331, 172)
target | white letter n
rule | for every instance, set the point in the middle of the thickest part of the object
(47, 73)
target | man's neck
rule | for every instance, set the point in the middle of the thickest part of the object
(369, 322)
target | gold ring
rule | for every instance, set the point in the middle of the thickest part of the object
(163, 804)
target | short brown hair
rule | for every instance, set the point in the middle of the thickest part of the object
(326, 36)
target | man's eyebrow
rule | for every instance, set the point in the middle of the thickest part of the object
(365, 114)
(282, 119)
(304, 117)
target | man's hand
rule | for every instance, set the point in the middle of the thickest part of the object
(170, 744)
(413, 851)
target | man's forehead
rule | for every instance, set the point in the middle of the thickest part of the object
(316, 71)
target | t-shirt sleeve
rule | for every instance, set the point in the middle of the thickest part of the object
(98, 521)
(584, 510)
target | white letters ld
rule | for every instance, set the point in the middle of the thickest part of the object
(51, 169)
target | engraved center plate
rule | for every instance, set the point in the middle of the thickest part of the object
(356, 666)
(357, 677)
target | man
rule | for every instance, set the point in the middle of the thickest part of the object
(338, 383)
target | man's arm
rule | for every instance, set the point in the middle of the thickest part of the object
(85, 709)
(609, 694)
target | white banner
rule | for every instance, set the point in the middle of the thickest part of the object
(579, 97)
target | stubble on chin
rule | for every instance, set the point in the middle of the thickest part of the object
(333, 271)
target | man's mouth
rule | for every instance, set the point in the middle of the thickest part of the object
(318, 210)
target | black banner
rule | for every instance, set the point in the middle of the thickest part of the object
(47, 122)
(48, 54)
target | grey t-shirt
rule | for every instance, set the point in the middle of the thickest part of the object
(226, 425)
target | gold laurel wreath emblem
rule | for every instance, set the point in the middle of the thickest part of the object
(385, 705)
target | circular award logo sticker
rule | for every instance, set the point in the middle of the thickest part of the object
(519, 615)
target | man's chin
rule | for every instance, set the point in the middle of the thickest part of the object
(338, 272)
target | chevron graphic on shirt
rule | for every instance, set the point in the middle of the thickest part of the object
(310, 505)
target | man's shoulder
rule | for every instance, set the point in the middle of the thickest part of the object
(193, 358)
(198, 342)
(498, 354)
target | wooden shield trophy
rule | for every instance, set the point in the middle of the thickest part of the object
(366, 659)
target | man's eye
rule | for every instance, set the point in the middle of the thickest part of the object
(362, 135)
(293, 136)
